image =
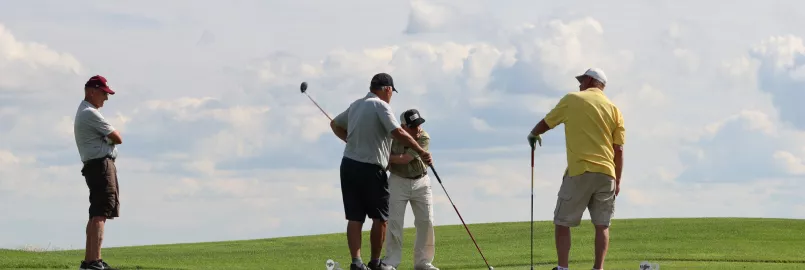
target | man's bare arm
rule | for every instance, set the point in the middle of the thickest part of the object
(618, 162)
(404, 158)
(540, 128)
(115, 137)
(406, 139)
(339, 131)
(409, 141)
(409, 154)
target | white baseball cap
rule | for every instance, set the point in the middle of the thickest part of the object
(595, 73)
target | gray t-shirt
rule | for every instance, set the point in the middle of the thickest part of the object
(369, 122)
(90, 130)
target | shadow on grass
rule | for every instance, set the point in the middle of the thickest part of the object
(657, 259)
(31, 266)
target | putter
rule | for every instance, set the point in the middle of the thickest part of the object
(303, 88)
(459, 216)
(532, 208)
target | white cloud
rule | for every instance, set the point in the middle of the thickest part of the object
(790, 162)
(480, 124)
(430, 17)
(781, 51)
(27, 57)
(782, 74)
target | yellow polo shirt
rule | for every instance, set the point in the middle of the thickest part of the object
(592, 125)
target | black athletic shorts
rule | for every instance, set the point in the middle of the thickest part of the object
(364, 190)
(104, 195)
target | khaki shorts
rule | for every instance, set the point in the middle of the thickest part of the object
(593, 191)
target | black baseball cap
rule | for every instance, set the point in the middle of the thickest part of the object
(382, 79)
(411, 118)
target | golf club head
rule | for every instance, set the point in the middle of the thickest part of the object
(303, 87)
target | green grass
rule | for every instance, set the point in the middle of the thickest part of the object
(711, 243)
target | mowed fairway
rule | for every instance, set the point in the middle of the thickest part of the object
(711, 243)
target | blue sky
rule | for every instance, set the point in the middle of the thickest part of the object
(710, 98)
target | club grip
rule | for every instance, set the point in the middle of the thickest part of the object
(435, 173)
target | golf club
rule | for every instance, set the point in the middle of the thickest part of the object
(459, 216)
(303, 88)
(532, 208)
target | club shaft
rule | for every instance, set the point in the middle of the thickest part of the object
(459, 216)
(317, 105)
(532, 209)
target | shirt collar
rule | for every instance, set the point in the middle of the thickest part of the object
(88, 104)
(594, 89)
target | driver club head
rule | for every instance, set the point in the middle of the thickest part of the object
(303, 87)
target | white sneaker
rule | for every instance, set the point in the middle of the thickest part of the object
(426, 267)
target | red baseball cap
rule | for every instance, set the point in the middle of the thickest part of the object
(99, 81)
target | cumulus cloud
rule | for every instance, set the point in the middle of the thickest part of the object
(782, 74)
(739, 149)
(480, 124)
(791, 163)
(429, 17)
(547, 55)
(21, 61)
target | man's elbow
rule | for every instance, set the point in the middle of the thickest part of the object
(335, 127)
(618, 149)
(398, 133)
(541, 127)
(115, 137)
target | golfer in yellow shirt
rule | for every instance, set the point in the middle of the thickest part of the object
(595, 134)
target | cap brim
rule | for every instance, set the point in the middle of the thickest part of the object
(394, 89)
(418, 122)
(580, 77)
(107, 90)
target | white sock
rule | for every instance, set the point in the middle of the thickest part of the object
(561, 268)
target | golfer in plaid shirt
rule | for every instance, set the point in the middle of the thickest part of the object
(409, 182)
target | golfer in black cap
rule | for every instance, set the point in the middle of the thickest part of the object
(409, 182)
(367, 127)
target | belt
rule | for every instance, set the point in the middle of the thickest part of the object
(416, 177)
(99, 159)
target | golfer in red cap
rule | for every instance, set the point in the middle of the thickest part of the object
(96, 140)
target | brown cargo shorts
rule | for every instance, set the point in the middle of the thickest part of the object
(104, 196)
(592, 191)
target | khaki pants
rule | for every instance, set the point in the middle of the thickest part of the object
(592, 191)
(418, 193)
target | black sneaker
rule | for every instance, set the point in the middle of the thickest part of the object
(96, 265)
(380, 265)
(358, 267)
